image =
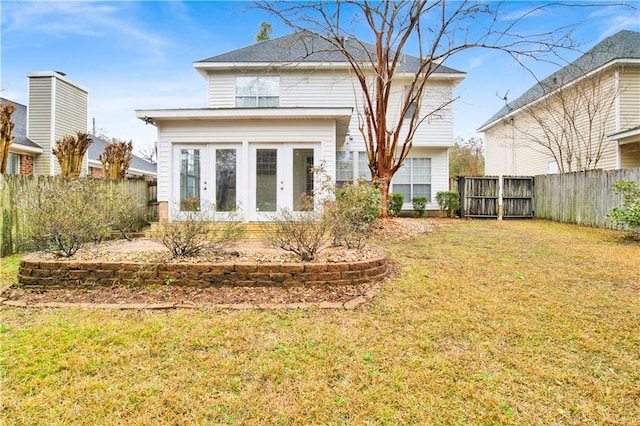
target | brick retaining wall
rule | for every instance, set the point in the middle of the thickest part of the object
(42, 274)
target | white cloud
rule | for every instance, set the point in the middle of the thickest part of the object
(71, 19)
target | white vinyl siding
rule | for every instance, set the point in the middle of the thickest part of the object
(336, 88)
(241, 133)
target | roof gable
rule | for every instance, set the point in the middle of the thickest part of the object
(305, 46)
(19, 118)
(622, 45)
(97, 147)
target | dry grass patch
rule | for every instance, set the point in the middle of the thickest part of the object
(523, 322)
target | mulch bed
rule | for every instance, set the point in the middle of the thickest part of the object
(399, 229)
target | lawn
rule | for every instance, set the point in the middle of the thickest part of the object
(487, 322)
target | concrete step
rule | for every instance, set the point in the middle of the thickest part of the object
(254, 231)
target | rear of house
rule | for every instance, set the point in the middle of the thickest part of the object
(277, 113)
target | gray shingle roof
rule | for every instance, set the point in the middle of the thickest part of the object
(19, 118)
(622, 45)
(305, 46)
(98, 145)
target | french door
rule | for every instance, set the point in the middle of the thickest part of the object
(207, 176)
(281, 174)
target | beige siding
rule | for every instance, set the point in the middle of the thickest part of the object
(520, 145)
(39, 120)
(629, 97)
(630, 155)
(70, 113)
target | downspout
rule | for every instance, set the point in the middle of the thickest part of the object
(617, 92)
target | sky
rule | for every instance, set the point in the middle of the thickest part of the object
(139, 55)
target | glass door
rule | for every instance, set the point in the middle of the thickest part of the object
(282, 177)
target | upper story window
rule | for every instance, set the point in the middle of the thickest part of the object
(413, 105)
(255, 91)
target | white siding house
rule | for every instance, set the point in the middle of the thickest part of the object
(275, 113)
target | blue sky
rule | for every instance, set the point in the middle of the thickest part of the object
(138, 55)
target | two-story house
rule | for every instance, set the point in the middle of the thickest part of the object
(279, 110)
(583, 116)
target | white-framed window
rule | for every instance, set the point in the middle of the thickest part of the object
(257, 91)
(189, 179)
(413, 105)
(363, 167)
(413, 179)
(13, 164)
(344, 168)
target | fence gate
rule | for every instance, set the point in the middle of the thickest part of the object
(499, 197)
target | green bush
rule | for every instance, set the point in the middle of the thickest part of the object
(449, 202)
(629, 214)
(356, 207)
(419, 205)
(203, 231)
(396, 200)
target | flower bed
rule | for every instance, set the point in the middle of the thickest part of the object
(37, 273)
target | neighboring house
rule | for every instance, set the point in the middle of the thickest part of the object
(138, 168)
(588, 112)
(57, 107)
(276, 112)
(23, 151)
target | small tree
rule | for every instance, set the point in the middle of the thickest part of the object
(70, 151)
(466, 158)
(6, 134)
(629, 214)
(116, 159)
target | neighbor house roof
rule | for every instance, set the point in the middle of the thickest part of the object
(19, 118)
(305, 46)
(620, 46)
(96, 148)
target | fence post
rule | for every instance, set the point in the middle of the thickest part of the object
(500, 195)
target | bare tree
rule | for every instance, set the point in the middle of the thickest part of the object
(149, 153)
(438, 30)
(6, 134)
(569, 121)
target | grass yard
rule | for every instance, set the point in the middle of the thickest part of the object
(511, 322)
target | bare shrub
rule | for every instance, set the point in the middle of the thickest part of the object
(123, 212)
(63, 216)
(304, 232)
(201, 231)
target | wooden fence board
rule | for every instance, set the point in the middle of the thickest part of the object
(584, 198)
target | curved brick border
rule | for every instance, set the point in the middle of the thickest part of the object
(48, 274)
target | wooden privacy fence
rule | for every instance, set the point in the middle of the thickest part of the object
(12, 218)
(584, 198)
(496, 196)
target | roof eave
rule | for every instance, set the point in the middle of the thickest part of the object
(154, 115)
(618, 61)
